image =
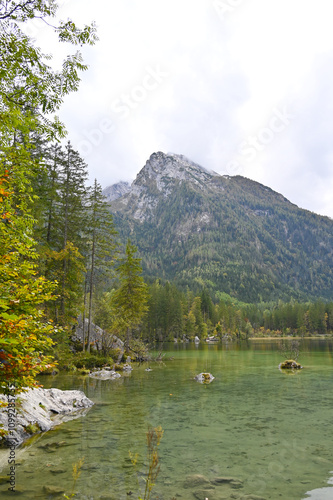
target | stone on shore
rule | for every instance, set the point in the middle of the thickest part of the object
(39, 410)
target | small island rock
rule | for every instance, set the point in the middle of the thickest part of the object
(290, 364)
(204, 378)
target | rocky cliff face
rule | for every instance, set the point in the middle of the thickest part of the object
(157, 180)
(166, 170)
(116, 190)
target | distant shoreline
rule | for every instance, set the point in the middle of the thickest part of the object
(323, 337)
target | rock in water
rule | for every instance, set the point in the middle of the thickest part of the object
(196, 480)
(204, 378)
(105, 374)
(290, 364)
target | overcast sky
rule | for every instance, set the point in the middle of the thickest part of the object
(242, 87)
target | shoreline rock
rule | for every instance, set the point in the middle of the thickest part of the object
(98, 338)
(39, 410)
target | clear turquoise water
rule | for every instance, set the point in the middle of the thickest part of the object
(271, 430)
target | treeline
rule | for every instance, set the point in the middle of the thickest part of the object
(175, 314)
(295, 318)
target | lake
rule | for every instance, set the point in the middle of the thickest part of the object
(269, 430)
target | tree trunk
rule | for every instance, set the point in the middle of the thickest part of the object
(84, 317)
(91, 288)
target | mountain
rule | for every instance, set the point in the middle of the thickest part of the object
(116, 190)
(228, 234)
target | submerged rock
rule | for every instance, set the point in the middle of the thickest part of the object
(196, 480)
(231, 481)
(204, 378)
(39, 410)
(252, 497)
(290, 364)
(105, 374)
(208, 494)
(220, 488)
(53, 490)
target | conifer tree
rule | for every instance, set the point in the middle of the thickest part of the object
(130, 299)
(46, 185)
(101, 247)
(66, 241)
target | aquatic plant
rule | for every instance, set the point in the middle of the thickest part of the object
(154, 436)
(75, 474)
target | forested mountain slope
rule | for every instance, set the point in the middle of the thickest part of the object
(229, 234)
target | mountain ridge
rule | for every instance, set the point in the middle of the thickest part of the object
(228, 234)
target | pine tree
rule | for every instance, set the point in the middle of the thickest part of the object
(101, 247)
(66, 233)
(130, 299)
(46, 185)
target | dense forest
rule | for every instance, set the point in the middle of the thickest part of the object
(182, 315)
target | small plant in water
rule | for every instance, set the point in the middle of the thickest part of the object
(154, 436)
(75, 474)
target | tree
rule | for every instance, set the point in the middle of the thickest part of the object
(24, 334)
(130, 299)
(62, 226)
(101, 245)
(46, 184)
(29, 88)
(29, 91)
(71, 218)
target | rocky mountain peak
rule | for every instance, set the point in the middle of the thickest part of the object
(161, 175)
(161, 168)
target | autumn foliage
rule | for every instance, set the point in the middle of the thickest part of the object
(24, 333)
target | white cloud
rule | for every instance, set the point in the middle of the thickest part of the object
(225, 77)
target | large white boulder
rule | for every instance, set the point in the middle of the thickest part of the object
(38, 410)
